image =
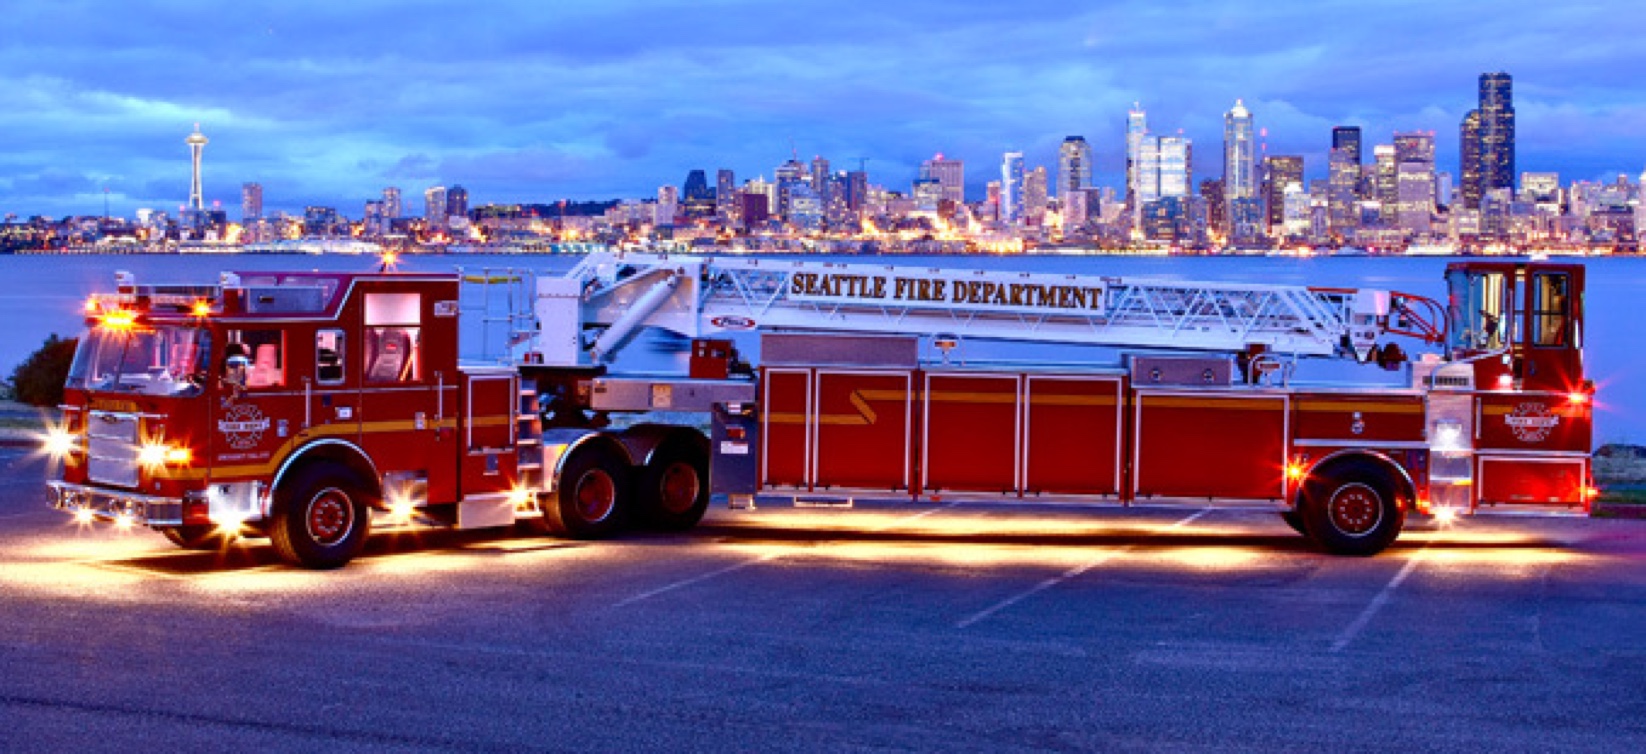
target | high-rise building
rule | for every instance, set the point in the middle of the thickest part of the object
(1279, 171)
(457, 202)
(1488, 140)
(857, 190)
(1217, 207)
(819, 174)
(435, 207)
(1011, 188)
(1074, 166)
(950, 176)
(668, 206)
(1386, 180)
(392, 206)
(1414, 181)
(1034, 195)
(1176, 166)
(1347, 138)
(197, 144)
(1137, 129)
(697, 197)
(725, 195)
(1343, 188)
(251, 201)
(1239, 153)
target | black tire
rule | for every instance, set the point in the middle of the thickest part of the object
(1352, 509)
(592, 499)
(320, 519)
(196, 537)
(1294, 519)
(674, 488)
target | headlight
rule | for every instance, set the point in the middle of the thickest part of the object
(59, 442)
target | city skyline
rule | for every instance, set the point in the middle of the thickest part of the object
(327, 105)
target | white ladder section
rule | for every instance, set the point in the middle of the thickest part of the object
(704, 296)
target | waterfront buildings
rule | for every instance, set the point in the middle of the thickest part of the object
(950, 175)
(1011, 188)
(251, 201)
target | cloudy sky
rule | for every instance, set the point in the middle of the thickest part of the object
(328, 102)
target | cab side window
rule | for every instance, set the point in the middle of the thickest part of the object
(264, 355)
(393, 338)
(328, 357)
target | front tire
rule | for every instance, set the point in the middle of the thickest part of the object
(1353, 510)
(674, 488)
(321, 519)
(591, 500)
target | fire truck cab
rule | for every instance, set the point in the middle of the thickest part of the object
(299, 405)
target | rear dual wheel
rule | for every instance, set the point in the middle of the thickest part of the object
(674, 488)
(592, 498)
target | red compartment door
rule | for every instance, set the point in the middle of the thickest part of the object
(972, 433)
(1211, 446)
(1073, 436)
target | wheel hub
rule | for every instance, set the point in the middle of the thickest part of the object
(596, 495)
(330, 517)
(1355, 509)
(679, 487)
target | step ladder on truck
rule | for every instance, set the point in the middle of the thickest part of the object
(304, 405)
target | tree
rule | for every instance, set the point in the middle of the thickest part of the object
(39, 379)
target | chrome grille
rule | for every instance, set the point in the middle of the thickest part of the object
(112, 449)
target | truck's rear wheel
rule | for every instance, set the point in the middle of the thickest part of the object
(674, 488)
(1353, 510)
(320, 520)
(592, 498)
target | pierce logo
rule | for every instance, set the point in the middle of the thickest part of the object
(243, 426)
(1532, 422)
(733, 323)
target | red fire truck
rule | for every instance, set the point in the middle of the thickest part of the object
(301, 406)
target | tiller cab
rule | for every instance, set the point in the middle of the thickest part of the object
(302, 406)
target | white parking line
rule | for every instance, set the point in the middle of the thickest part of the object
(974, 618)
(1377, 603)
(700, 578)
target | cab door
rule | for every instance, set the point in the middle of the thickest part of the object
(408, 390)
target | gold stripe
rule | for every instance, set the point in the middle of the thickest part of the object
(1226, 404)
(1072, 400)
(1365, 407)
(947, 396)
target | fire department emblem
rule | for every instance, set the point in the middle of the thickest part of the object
(1532, 422)
(243, 426)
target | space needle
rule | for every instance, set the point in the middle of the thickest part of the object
(197, 144)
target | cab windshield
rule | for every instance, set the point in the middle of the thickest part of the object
(1482, 310)
(159, 360)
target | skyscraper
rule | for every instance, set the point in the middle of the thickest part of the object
(1488, 136)
(1136, 129)
(1176, 170)
(1414, 180)
(725, 195)
(1347, 138)
(1343, 188)
(392, 208)
(197, 144)
(1239, 153)
(1011, 188)
(950, 176)
(1074, 166)
(1034, 195)
(251, 201)
(1279, 171)
(819, 174)
(434, 206)
(457, 202)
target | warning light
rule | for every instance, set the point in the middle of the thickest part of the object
(1295, 471)
(1505, 381)
(119, 320)
(1576, 398)
(201, 308)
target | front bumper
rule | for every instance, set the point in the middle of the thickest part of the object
(119, 505)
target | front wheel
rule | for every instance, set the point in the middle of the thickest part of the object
(1352, 510)
(321, 519)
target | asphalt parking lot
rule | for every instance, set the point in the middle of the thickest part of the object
(968, 627)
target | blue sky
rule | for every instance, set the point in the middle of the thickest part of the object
(328, 102)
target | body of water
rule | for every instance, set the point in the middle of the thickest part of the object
(41, 295)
